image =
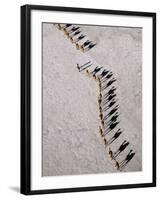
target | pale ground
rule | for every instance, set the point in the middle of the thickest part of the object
(71, 143)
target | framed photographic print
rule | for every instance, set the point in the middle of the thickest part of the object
(88, 99)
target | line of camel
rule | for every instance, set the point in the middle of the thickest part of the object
(109, 129)
(76, 36)
(108, 106)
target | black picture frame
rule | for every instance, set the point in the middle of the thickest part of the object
(26, 98)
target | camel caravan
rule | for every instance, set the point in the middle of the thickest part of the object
(75, 35)
(108, 107)
(109, 128)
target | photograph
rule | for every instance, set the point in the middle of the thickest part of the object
(92, 99)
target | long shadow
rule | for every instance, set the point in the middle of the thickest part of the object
(116, 135)
(121, 148)
(128, 158)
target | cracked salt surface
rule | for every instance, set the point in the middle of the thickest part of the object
(71, 142)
